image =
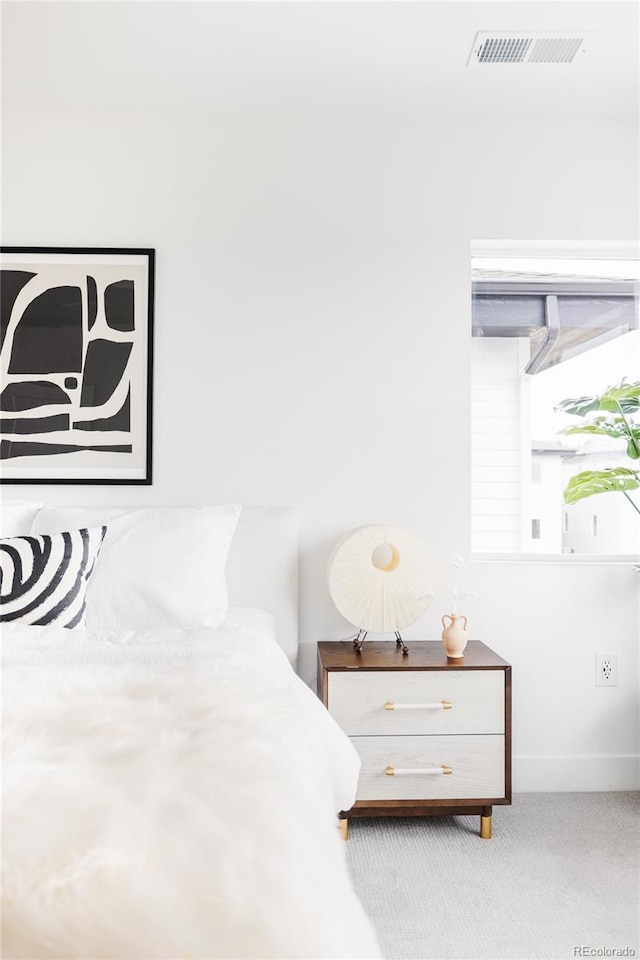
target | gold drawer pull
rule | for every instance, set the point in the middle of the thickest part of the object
(408, 771)
(440, 705)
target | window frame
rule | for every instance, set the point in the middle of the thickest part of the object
(540, 249)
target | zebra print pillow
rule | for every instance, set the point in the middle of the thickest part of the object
(43, 579)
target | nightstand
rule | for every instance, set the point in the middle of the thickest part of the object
(433, 734)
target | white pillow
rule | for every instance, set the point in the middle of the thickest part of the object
(253, 619)
(159, 567)
(16, 517)
(44, 579)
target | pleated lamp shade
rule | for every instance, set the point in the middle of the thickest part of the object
(380, 578)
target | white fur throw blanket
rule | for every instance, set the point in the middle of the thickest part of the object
(171, 795)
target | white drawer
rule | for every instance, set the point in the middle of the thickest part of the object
(357, 701)
(476, 764)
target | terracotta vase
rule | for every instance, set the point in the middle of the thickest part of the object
(454, 636)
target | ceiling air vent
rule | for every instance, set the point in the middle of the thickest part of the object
(525, 48)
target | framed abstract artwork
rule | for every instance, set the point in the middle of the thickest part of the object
(76, 363)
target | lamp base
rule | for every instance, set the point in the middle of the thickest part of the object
(362, 636)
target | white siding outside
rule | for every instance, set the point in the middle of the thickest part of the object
(500, 444)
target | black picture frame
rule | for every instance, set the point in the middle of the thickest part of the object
(76, 365)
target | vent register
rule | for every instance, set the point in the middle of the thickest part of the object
(518, 48)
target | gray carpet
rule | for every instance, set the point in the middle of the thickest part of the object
(562, 871)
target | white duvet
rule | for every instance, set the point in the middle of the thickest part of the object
(171, 795)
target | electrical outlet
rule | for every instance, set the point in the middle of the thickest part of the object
(606, 670)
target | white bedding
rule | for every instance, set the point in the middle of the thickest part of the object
(171, 794)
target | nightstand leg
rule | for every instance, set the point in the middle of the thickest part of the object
(485, 823)
(344, 828)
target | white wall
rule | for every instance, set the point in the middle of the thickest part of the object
(313, 348)
(605, 524)
(546, 503)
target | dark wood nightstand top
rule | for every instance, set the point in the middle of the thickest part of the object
(423, 655)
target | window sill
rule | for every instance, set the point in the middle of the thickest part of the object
(620, 560)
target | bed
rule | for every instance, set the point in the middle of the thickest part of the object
(170, 788)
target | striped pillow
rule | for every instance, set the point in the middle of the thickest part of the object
(43, 579)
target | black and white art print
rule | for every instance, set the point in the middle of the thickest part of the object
(76, 337)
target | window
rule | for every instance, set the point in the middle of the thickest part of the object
(546, 328)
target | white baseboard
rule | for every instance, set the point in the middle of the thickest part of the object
(575, 773)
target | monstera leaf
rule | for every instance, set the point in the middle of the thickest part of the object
(625, 398)
(618, 428)
(590, 482)
(614, 408)
(619, 404)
